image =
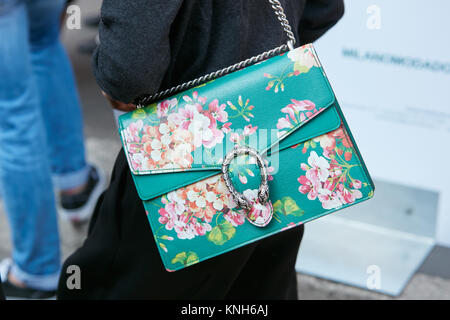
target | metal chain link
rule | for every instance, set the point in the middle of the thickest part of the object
(279, 11)
(145, 100)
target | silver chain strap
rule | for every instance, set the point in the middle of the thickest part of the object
(276, 5)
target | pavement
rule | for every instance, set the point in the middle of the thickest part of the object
(103, 144)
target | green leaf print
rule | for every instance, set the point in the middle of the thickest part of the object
(139, 114)
(288, 206)
(221, 233)
(243, 109)
(300, 68)
(185, 258)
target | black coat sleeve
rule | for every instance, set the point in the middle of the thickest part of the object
(131, 60)
(319, 16)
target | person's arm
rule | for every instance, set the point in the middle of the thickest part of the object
(134, 50)
(319, 16)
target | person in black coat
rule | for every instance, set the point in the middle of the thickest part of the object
(147, 46)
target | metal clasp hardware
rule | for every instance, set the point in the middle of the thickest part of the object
(263, 190)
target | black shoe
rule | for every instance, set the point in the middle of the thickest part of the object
(79, 207)
(13, 292)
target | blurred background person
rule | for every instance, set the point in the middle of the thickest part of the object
(41, 136)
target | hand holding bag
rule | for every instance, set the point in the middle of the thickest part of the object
(236, 156)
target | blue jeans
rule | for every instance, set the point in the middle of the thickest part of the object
(41, 134)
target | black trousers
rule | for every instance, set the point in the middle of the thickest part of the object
(120, 260)
(2, 295)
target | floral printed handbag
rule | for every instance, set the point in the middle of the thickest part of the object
(236, 156)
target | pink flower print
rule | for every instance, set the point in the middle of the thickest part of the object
(340, 134)
(242, 178)
(302, 105)
(335, 169)
(291, 112)
(250, 172)
(163, 107)
(184, 117)
(195, 101)
(195, 96)
(319, 166)
(217, 137)
(189, 210)
(166, 218)
(181, 155)
(284, 123)
(303, 57)
(181, 136)
(357, 184)
(226, 127)
(296, 106)
(249, 129)
(220, 188)
(189, 99)
(184, 231)
(259, 214)
(235, 137)
(270, 169)
(215, 199)
(217, 112)
(136, 127)
(156, 147)
(201, 228)
(137, 159)
(132, 133)
(172, 211)
(234, 217)
(200, 130)
(174, 198)
(346, 195)
(150, 133)
(297, 112)
(196, 197)
(133, 148)
(326, 141)
(329, 199)
(308, 187)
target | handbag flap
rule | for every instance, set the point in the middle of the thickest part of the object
(187, 135)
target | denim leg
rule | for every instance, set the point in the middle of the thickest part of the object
(25, 175)
(60, 103)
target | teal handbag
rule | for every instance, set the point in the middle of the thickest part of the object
(243, 156)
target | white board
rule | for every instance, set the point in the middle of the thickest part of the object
(389, 64)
